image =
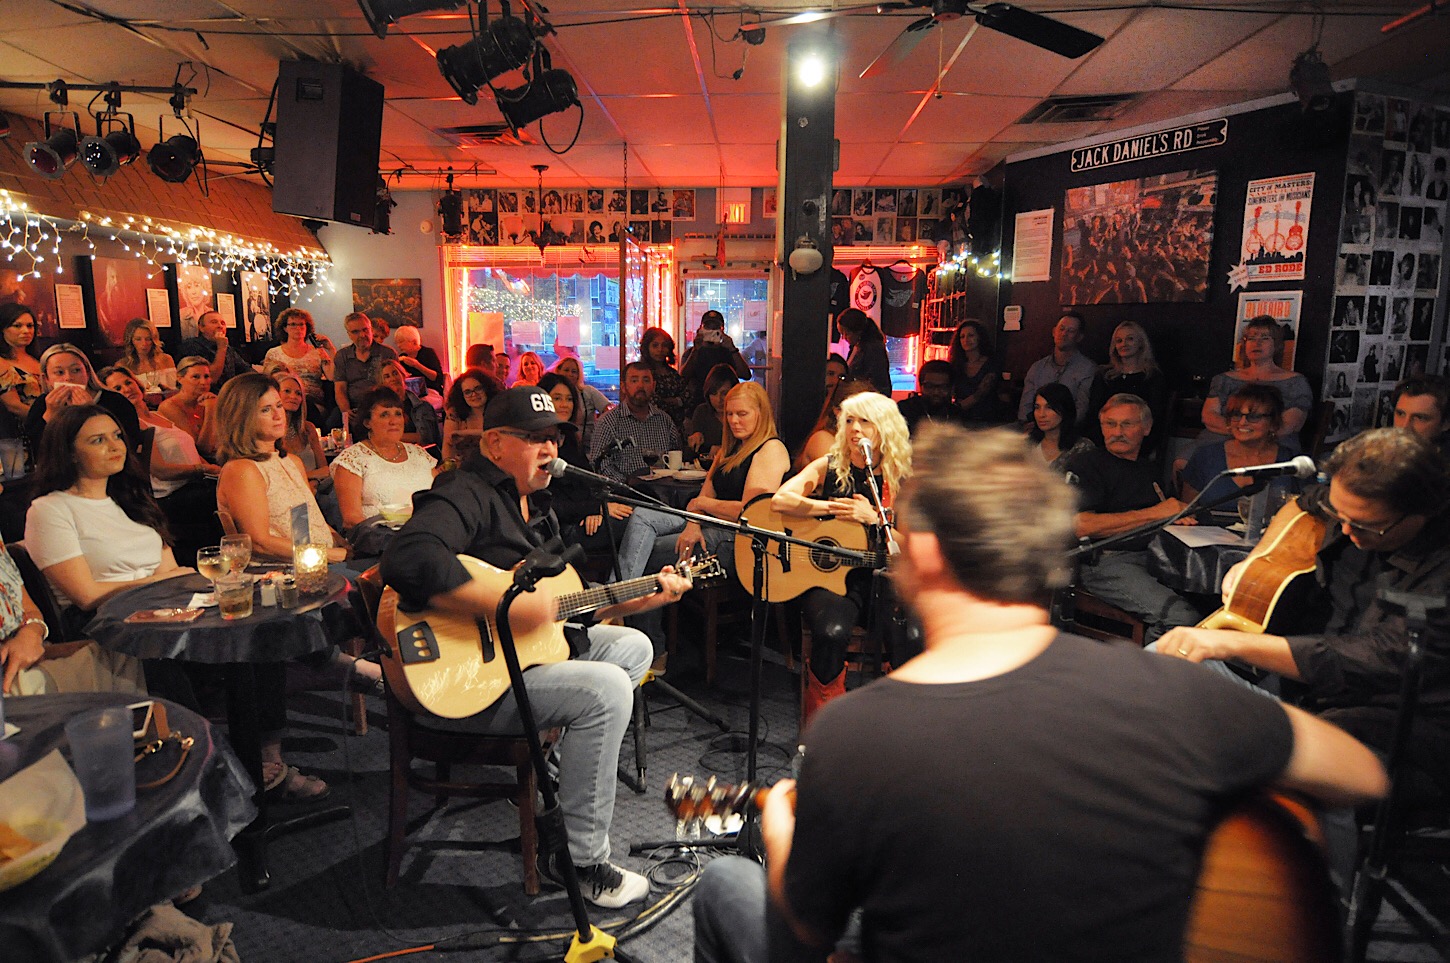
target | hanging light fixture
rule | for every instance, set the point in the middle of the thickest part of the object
(381, 13)
(175, 158)
(53, 156)
(548, 92)
(450, 209)
(501, 46)
(114, 144)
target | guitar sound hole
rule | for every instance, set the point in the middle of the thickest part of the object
(822, 560)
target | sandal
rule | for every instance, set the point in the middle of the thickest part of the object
(287, 784)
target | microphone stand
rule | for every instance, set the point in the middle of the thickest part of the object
(873, 620)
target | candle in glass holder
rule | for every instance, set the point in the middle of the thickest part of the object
(310, 562)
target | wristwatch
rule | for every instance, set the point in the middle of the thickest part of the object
(44, 629)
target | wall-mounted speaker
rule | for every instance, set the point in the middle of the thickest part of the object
(329, 129)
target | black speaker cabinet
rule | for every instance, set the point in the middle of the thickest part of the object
(329, 129)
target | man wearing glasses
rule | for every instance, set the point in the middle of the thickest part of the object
(1119, 490)
(1386, 506)
(495, 507)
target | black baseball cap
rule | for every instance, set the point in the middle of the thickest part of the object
(526, 407)
(712, 319)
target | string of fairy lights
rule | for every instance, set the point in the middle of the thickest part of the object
(31, 241)
(988, 266)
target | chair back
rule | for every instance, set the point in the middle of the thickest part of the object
(228, 524)
(39, 590)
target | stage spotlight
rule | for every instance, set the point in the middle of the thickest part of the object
(383, 211)
(503, 45)
(450, 209)
(811, 70)
(380, 13)
(1309, 79)
(104, 155)
(174, 159)
(50, 158)
(551, 92)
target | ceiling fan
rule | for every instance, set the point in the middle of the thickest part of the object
(1045, 32)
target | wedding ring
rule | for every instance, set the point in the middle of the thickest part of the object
(1182, 650)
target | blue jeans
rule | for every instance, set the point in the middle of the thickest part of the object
(592, 698)
(1123, 579)
(729, 908)
(649, 530)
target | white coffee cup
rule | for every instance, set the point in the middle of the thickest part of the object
(674, 460)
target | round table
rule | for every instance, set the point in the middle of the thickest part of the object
(270, 634)
(671, 491)
(177, 837)
(1198, 569)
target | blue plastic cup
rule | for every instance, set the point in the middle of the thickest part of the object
(103, 754)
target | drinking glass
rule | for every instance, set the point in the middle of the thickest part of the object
(102, 751)
(211, 563)
(651, 458)
(234, 596)
(237, 550)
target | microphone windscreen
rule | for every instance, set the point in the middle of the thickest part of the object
(557, 467)
(1304, 467)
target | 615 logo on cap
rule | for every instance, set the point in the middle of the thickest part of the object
(541, 401)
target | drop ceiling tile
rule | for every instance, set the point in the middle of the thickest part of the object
(631, 58)
(967, 117)
(747, 118)
(873, 117)
(676, 119)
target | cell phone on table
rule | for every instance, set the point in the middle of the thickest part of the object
(141, 713)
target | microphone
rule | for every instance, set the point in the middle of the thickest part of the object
(558, 468)
(866, 450)
(1301, 466)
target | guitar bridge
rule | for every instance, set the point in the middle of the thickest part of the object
(485, 640)
(417, 644)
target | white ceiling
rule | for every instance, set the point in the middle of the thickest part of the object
(661, 81)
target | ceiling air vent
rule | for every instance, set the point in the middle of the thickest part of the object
(485, 135)
(1078, 110)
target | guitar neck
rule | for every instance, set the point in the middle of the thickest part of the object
(578, 603)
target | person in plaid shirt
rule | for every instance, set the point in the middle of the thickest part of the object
(634, 427)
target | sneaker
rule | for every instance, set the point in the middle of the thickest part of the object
(603, 884)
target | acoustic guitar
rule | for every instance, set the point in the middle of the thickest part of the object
(1280, 566)
(792, 569)
(449, 665)
(1263, 894)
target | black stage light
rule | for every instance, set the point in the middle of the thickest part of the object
(383, 212)
(503, 45)
(450, 208)
(50, 158)
(104, 155)
(380, 13)
(551, 92)
(174, 159)
(1309, 79)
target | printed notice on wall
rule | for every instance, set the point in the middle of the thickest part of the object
(1276, 227)
(158, 307)
(70, 306)
(226, 306)
(1032, 246)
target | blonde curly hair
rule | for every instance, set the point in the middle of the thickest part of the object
(893, 458)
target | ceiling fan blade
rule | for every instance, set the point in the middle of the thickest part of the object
(900, 48)
(811, 16)
(1054, 35)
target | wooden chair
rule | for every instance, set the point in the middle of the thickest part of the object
(865, 655)
(410, 738)
(720, 604)
(1129, 626)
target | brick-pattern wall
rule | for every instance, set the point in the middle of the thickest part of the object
(236, 206)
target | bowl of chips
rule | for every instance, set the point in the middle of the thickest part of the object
(41, 808)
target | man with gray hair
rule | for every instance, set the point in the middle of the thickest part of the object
(1119, 490)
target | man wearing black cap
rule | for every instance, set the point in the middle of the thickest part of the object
(495, 507)
(712, 346)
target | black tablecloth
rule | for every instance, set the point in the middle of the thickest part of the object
(1195, 570)
(671, 491)
(108, 873)
(269, 634)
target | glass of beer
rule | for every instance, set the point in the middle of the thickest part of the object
(234, 595)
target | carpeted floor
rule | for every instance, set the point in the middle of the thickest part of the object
(461, 886)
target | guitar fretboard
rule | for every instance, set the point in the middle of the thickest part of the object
(578, 603)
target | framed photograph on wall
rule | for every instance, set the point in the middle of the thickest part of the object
(120, 287)
(256, 305)
(37, 294)
(397, 301)
(193, 287)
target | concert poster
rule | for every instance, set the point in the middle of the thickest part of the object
(1276, 227)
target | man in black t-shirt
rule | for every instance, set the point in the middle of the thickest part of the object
(1009, 794)
(933, 398)
(1118, 490)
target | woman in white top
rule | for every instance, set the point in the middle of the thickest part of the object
(143, 356)
(382, 469)
(181, 479)
(298, 355)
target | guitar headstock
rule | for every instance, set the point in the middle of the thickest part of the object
(703, 568)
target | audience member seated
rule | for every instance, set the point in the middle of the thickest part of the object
(68, 380)
(420, 421)
(531, 369)
(1255, 413)
(143, 357)
(463, 412)
(1420, 404)
(1131, 370)
(1054, 426)
(838, 485)
(623, 435)
(751, 463)
(1091, 777)
(580, 510)
(378, 471)
(481, 356)
(310, 363)
(836, 371)
(868, 360)
(302, 438)
(592, 400)
(355, 368)
(182, 481)
(932, 400)
(712, 347)
(503, 369)
(1118, 490)
(823, 435)
(1262, 347)
(212, 346)
(705, 428)
(671, 394)
(1065, 366)
(191, 408)
(19, 368)
(417, 359)
(976, 375)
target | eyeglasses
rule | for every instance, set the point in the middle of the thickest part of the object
(1252, 417)
(533, 437)
(1359, 528)
(474, 392)
(1249, 338)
